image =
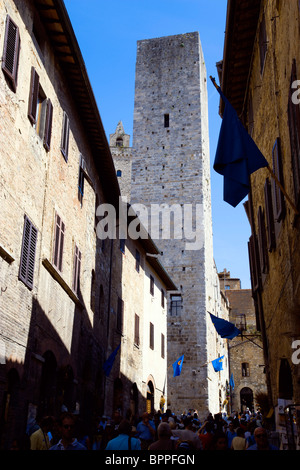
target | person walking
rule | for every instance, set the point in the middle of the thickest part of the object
(165, 441)
(124, 441)
(66, 425)
(261, 441)
(187, 434)
(230, 433)
(39, 440)
(239, 442)
(145, 431)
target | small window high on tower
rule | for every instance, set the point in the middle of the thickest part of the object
(167, 120)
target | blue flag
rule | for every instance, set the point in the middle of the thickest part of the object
(218, 364)
(224, 328)
(231, 382)
(177, 366)
(107, 366)
(237, 156)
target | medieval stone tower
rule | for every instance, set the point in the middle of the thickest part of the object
(171, 170)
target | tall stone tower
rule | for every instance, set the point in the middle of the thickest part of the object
(171, 169)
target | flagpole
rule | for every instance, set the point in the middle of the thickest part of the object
(269, 169)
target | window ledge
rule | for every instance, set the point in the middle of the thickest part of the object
(5, 255)
(57, 276)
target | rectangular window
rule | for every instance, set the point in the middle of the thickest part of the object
(151, 336)
(136, 330)
(263, 44)
(26, 271)
(40, 110)
(59, 235)
(64, 146)
(151, 285)
(120, 315)
(81, 179)
(254, 263)
(294, 131)
(269, 216)
(240, 322)
(11, 52)
(278, 197)
(262, 241)
(162, 346)
(162, 298)
(76, 270)
(167, 120)
(137, 260)
(245, 369)
(175, 307)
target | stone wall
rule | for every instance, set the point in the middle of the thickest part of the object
(277, 294)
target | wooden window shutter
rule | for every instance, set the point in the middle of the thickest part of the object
(262, 241)
(76, 272)
(151, 285)
(48, 125)
(162, 345)
(33, 96)
(294, 130)
(151, 336)
(162, 298)
(278, 197)
(263, 44)
(254, 263)
(26, 272)
(65, 136)
(58, 242)
(269, 216)
(11, 52)
(137, 330)
(120, 315)
(82, 169)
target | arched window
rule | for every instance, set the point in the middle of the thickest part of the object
(119, 173)
(119, 142)
(150, 397)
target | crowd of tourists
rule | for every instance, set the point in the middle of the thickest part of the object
(158, 431)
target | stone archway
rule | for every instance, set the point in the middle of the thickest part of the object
(150, 396)
(246, 399)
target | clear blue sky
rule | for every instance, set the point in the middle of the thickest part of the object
(107, 32)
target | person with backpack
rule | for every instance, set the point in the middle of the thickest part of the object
(124, 440)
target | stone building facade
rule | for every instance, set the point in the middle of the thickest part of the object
(246, 358)
(264, 90)
(68, 297)
(138, 323)
(53, 267)
(171, 174)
